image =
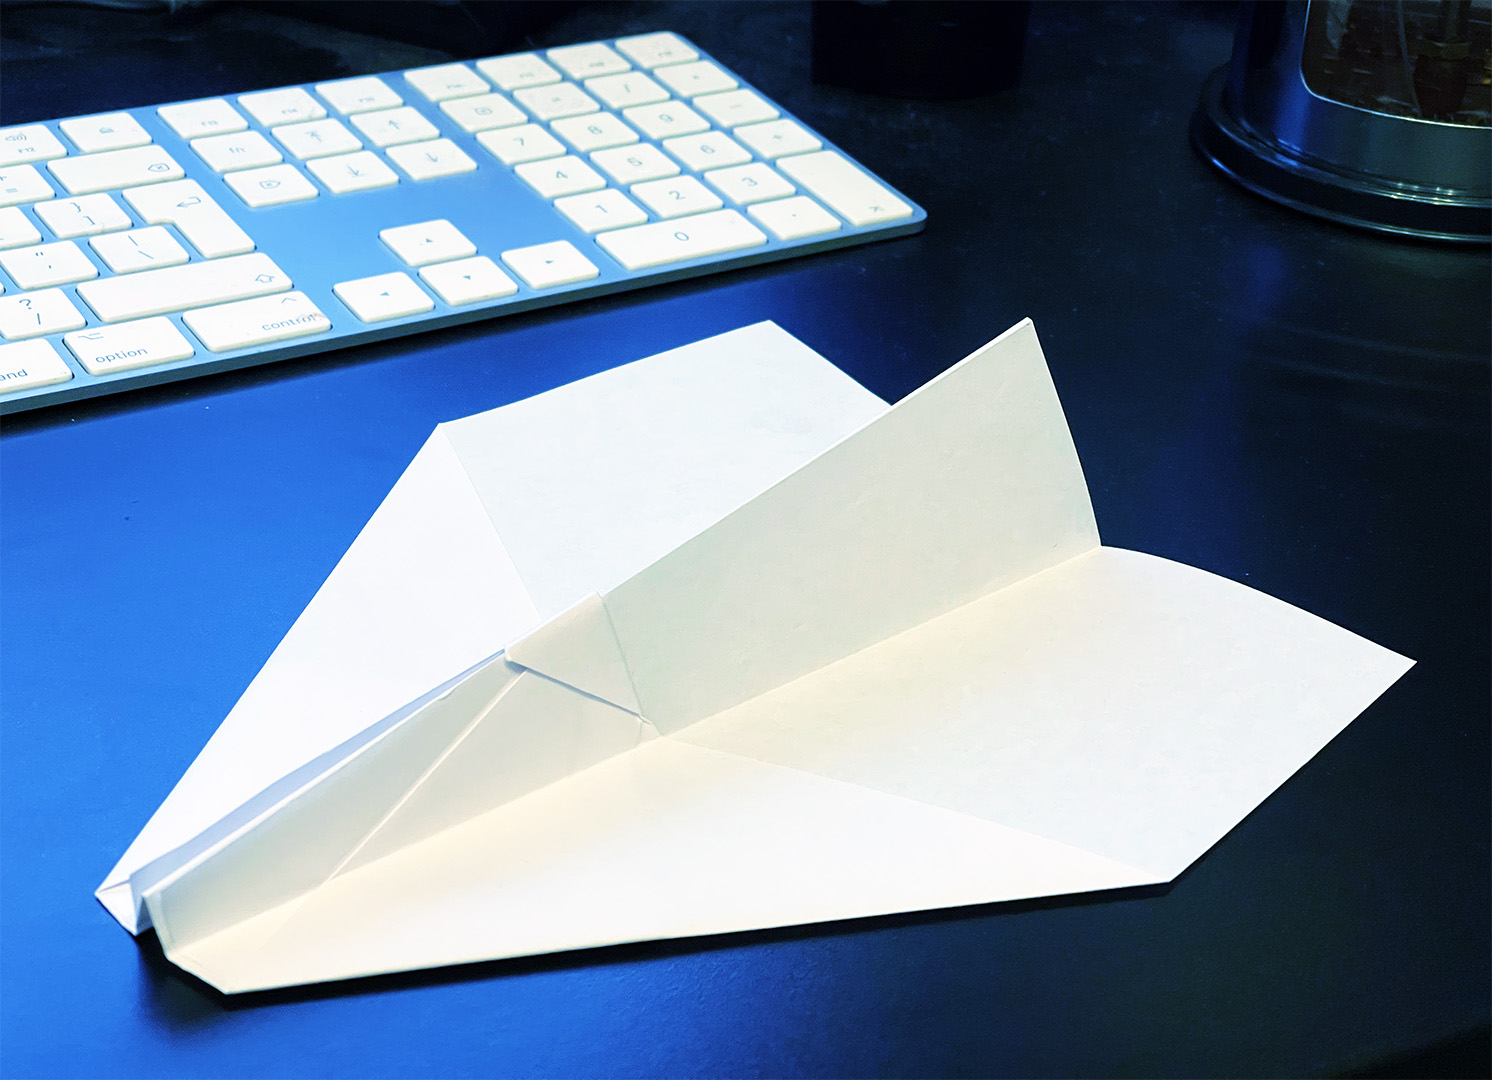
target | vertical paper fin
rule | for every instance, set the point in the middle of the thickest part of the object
(967, 485)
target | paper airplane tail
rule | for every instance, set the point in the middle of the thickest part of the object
(496, 733)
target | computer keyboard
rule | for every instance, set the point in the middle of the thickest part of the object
(160, 243)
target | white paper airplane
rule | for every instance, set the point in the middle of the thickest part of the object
(718, 641)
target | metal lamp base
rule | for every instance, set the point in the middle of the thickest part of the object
(1330, 191)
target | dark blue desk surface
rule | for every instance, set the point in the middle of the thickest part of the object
(1282, 401)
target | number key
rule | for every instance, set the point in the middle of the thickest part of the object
(559, 176)
(595, 132)
(529, 142)
(711, 150)
(677, 197)
(608, 209)
(665, 119)
(631, 164)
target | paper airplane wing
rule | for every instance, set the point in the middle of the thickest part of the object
(903, 676)
(502, 520)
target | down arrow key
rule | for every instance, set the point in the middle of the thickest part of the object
(468, 281)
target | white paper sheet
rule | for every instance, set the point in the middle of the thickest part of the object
(590, 481)
(770, 654)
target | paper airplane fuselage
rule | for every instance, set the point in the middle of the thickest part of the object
(718, 641)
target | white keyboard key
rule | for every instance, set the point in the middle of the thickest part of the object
(446, 81)
(677, 197)
(176, 288)
(468, 281)
(580, 61)
(387, 296)
(363, 94)
(632, 88)
(271, 107)
(394, 126)
(558, 100)
(483, 113)
(238, 150)
(522, 69)
(204, 223)
(608, 209)
(560, 176)
(790, 219)
(665, 120)
(139, 249)
(29, 364)
(849, 191)
(23, 184)
(699, 77)
(246, 323)
(429, 160)
(194, 119)
(107, 131)
(87, 215)
(106, 349)
(674, 241)
(48, 264)
(16, 229)
(29, 142)
(736, 107)
(711, 150)
(316, 138)
(776, 138)
(655, 50)
(746, 184)
(33, 314)
(115, 169)
(529, 142)
(544, 266)
(631, 164)
(353, 172)
(272, 186)
(594, 132)
(428, 242)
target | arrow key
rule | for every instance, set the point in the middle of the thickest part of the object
(427, 242)
(468, 281)
(544, 266)
(386, 296)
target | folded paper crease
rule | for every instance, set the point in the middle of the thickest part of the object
(743, 648)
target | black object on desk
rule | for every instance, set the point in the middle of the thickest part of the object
(1297, 405)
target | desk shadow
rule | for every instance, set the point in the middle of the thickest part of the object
(181, 1002)
(1466, 1055)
